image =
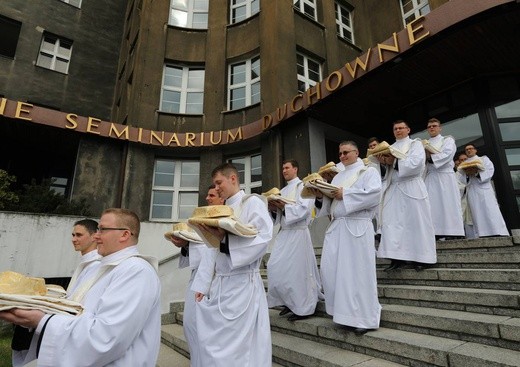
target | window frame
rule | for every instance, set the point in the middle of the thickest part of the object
(76, 6)
(55, 55)
(417, 6)
(305, 78)
(247, 84)
(341, 27)
(184, 90)
(300, 6)
(176, 189)
(247, 185)
(248, 4)
(191, 12)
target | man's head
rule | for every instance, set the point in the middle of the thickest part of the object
(460, 158)
(213, 198)
(117, 229)
(83, 233)
(470, 150)
(434, 127)
(225, 179)
(348, 152)
(401, 129)
(289, 169)
(372, 142)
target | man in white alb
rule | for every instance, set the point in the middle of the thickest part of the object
(292, 272)
(441, 184)
(407, 233)
(233, 319)
(482, 201)
(348, 262)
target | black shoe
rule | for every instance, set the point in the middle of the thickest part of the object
(285, 311)
(395, 264)
(296, 317)
(360, 331)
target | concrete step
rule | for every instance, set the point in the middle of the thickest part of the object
(170, 358)
(486, 301)
(293, 351)
(477, 244)
(506, 279)
(175, 345)
(493, 330)
(399, 346)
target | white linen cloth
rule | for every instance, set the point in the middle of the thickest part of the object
(233, 318)
(348, 262)
(292, 271)
(442, 187)
(405, 216)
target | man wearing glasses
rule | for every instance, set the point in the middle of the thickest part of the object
(482, 201)
(441, 184)
(407, 233)
(121, 322)
(348, 262)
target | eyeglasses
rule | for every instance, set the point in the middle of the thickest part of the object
(400, 128)
(103, 229)
(345, 152)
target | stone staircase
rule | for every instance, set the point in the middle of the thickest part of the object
(465, 311)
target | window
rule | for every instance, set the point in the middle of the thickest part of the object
(307, 7)
(344, 23)
(243, 9)
(175, 191)
(10, 31)
(309, 72)
(189, 13)
(55, 53)
(413, 9)
(59, 185)
(182, 90)
(244, 83)
(76, 3)
(249, 172)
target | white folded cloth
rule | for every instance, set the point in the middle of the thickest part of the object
(430, 148)
(47, 304)
(323, 186)
(229, 223)
(280, 198)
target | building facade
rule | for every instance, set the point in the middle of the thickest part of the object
(132, 104)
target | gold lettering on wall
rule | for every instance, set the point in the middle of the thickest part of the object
(20, 110)
(201, 139)
(411, 30)
(313, 91)
(358, 62)
(394, 48)
(140, 134)
(153, 135)
(3, 102)
(293, 103)
(71, 118)
(189, 139)
(92, 125)
(281, 113)
(338, 77)
(211, 138)
(238, 134)
(266, 122)
(174, 139)
(117, 133)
